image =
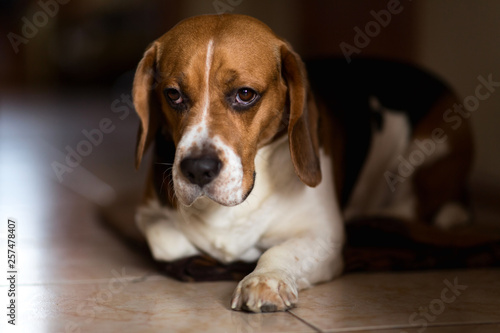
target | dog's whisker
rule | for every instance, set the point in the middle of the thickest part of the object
(164, 163)
(172, 192)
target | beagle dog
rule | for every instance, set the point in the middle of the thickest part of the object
(260, 157)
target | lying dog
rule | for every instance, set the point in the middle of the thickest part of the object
(250, 165)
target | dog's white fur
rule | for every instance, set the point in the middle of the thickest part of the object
(302, 249)
(371, 195)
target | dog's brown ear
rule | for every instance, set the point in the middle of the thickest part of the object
(145, 102)
(303, 122)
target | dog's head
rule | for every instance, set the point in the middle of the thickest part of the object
(222, 87)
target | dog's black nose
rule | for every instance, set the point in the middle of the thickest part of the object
(201, 171)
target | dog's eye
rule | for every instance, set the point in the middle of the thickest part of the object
(174, 96)
(243, 99)
(176, 99)
(246, 96)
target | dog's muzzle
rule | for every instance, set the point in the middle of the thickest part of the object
(207, 167)
(202, 170)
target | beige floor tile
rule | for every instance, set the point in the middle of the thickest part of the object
(155, 305)
(388, 300)
(60, 238)
(69, 243)
(77, 260)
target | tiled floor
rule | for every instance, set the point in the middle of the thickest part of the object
(75, 275)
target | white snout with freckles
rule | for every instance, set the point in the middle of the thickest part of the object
(226, 189)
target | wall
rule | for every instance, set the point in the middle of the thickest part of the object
(280, 15)
(460, 40)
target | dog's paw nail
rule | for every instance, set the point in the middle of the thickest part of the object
(235, 299)
(268, 292)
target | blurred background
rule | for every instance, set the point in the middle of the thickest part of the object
(67, 65)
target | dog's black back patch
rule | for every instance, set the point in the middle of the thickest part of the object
(346, 89)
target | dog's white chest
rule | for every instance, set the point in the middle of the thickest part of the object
(220, 231)
(175, 234)
(234, 233)
(279, 205)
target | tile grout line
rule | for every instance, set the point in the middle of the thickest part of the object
(304, 321)
(396, 327)
(468, 323)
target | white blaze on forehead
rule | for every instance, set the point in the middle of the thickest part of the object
(208, 65)
(197, 134)
(227, 187)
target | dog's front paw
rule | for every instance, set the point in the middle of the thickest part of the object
(265, 292)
